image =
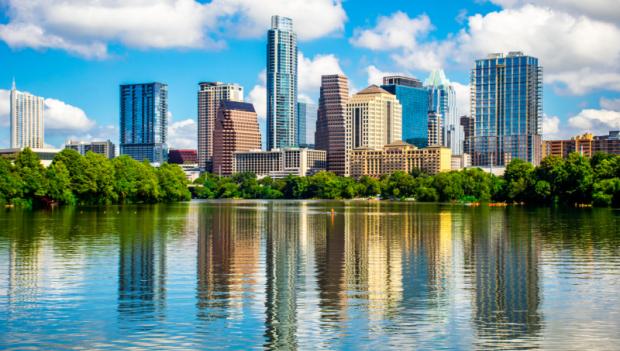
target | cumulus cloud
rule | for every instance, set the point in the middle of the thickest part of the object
(394, 32)
(5, 108)
(87, 27)
(598, 122)
(607, 104)
(182, 134)
(574, 49)
(601, 9)
(258, 98)
(462, 92)
(375, 75)
(60, 116)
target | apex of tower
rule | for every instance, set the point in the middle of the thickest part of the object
(13, 85)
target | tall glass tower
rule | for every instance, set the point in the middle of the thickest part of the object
(506, 106)
(414, 99)
(443, 103)
(281, 84)
(144, 121)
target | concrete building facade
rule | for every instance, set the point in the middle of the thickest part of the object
(105, 148)
(279, 163)
(26, 119)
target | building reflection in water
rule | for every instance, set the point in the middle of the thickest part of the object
(142, 264)
(229, 246)
(505, 278)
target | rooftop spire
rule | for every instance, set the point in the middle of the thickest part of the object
(13, 86)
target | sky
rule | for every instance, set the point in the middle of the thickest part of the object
(76, 53)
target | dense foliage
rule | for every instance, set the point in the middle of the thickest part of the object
(88, 180)
(575, 180)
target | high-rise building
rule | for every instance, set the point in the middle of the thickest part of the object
(281, 83)
(306, 113)
(236, 130)
(443, 102)
(435, 127)
(144, 121)
(506, 106)
(331, 121)
(26, 120)
(467, 123)
(209, 96)
(105, 148)
(373, 119)
(414, 99)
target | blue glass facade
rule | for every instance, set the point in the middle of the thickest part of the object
(144, 121)
(281, 84)
(415, 104)
(507, 109)
(306, 117)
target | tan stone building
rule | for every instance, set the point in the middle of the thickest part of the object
(374, 119)
(586, 145)
(236, 129)
(331, 121)
(399, 156)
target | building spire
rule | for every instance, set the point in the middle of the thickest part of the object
(13, 86)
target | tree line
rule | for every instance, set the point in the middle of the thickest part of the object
(92, 179)
(576, 180)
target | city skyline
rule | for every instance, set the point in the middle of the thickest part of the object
(80, 89)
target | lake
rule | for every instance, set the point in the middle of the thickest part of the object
(309, 275)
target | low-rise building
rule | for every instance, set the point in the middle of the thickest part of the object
(279, 163)
(586, 145)
(105, 148)
(460, 161)
(45, 155)
(399, 156)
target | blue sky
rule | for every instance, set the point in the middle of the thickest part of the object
(75, 53)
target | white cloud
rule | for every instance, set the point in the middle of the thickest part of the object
(601, 9)
(87, 27)
(598, 122)
(60, 116)
(610, 104)
(5, 108)
(258, 98)
(182, 134)
(574, 50)
(375, 75)
(394, 32)
(310, 71)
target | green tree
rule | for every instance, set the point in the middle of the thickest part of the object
(59, 183)
(519, 181)
(173, 183)
(135, 181)
(10, 183)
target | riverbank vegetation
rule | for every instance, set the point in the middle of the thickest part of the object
(576, 180)
(88, 180)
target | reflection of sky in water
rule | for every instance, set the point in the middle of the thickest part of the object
(292, 274)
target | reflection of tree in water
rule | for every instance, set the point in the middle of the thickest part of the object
(228, 259)
(505, 277)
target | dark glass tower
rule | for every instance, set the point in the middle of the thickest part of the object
(144, 121)
(281, 84)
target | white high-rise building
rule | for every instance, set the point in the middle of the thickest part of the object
(443, 104)
(209, 96)
(26, 120)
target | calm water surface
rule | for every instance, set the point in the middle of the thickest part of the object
(292, 275)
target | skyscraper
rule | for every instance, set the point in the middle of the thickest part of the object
(209, 96)
(306, 112)
(507, 109)
(443, 102)
(331, 121)
(373, 119)
(435, 127)
(414, 99)
(236, 129)
(467, 123)
(144, 121)
(281, 83)
(26, 120)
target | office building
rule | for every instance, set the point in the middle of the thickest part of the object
(279, 163)
(414, 99)
(46, 155)
(26, 119)
(331, 122)
(506, 106)
(586, 145)
(460, 161)
(443, 102)
(281, 84)
(236, 129)
(373, 119)
(144, 121)
(306, 116)
(209, 96)
(435, 127)
(183, 157)
(105, 148)
(467, 123)
(399, 156)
